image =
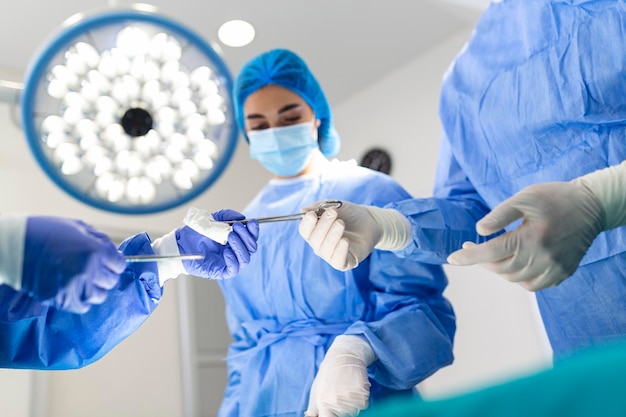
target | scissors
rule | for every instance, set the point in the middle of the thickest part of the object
(324, 205)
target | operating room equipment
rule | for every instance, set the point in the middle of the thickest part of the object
(157, 258)
(127, 110)
(324, 205)
(203, 222)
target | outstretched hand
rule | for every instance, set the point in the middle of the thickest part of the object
(560, 220)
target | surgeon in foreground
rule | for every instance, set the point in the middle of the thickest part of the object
(530, 99)
(68, 296)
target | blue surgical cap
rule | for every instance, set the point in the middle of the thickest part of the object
(288, 70)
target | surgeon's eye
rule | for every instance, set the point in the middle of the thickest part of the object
(261, 126)
(291, 118)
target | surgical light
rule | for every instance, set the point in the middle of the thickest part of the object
(129, 111)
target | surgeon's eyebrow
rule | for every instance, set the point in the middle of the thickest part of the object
(288, 107)
(283, 109)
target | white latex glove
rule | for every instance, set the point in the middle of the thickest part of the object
(344, 237)
(560, 221)
(341, 386)
(609, 185)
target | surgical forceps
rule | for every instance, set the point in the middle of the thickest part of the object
(324, 205)
(157, 258)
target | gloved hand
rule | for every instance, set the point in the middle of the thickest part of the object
(68, 264)
(341, 386)
(220, 261)
(344, 237)
(560, 221)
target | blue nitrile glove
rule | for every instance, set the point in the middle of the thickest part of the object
(68, 264)
(221, 261)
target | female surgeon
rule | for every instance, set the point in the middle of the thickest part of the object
(530, 99)
(308, 339)
(67, 296)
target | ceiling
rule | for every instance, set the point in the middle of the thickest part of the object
(347, 43)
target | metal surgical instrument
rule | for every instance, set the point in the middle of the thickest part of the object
(157, 258)
(324, 205)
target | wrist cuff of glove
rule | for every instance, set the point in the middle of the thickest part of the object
(609, 187)
(12, 241)
(167, 245)
(395, 229)
(356, 345)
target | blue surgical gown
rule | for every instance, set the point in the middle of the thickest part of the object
(538, 94)
(35, 336)
(285, 308)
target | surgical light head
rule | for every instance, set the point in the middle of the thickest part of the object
(129, 111)
(286, 69)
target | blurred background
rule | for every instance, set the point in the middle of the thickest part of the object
(381, 65)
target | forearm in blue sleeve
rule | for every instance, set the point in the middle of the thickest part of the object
(412, 326)
(440, 226)
(35, 336)
(442, 223)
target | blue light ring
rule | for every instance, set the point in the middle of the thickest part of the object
(37, 68)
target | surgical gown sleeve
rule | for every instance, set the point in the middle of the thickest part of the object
(410, 325)
(441, 224)
(34, 336)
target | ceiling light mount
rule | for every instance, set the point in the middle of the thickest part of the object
(236, 33)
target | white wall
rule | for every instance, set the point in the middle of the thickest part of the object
(498, 334)
(140, 377)
(15, 389)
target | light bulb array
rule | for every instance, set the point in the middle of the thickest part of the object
(137, 123)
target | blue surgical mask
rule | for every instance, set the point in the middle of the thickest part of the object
(283, 151)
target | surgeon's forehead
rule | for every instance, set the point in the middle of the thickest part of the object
(271, 98)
